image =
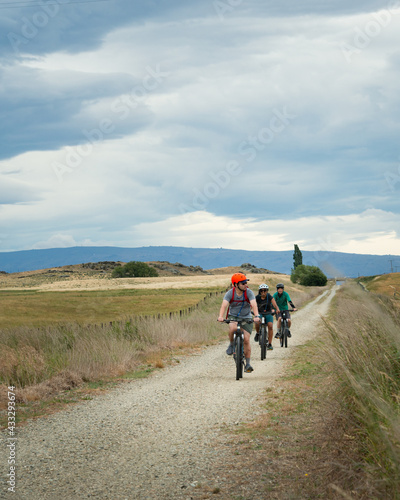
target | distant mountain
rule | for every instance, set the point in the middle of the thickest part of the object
(332, 263)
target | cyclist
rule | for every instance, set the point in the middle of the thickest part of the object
(239, 301)
(282, 298)
(265, 301)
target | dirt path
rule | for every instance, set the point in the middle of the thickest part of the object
(156, 438)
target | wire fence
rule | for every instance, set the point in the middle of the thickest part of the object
(181, 313)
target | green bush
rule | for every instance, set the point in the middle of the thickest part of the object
(308, 276)
(134, 269)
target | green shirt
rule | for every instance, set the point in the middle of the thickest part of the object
(282, 300)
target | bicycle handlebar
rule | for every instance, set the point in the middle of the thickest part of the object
(270, 313)
(287, 310)
(238, 321)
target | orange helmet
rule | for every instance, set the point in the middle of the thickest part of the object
(238, 277)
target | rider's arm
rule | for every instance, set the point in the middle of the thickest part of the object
(275, 306)
(224, 305)
(254, 306)
(290, 301)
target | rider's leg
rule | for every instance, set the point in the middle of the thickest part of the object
(232, 330)
(246, 345)
(256, 336)
(231, 348)
(247, 352)
(270, 332)
(289, 325)
(278, 327)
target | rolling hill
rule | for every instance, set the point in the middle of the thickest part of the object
(332, 263)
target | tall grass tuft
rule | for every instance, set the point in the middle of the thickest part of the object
(363, 353)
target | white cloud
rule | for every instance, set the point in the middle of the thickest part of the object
(184, 95)
(57, 241)
(371, 232)
(66, 240)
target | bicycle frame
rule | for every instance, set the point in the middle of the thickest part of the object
(284, 327)
(238, 339)
(263, 336)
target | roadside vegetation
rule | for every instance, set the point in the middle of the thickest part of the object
(331, 428)
(363, 353)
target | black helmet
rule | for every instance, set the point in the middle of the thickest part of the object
(280, 285)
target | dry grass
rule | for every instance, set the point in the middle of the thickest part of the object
(41, 361)
(363, 353)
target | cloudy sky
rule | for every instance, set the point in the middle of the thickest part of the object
(247, 124)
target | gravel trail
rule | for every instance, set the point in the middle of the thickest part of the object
(154, 438)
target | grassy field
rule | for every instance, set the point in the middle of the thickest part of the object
(33, 308)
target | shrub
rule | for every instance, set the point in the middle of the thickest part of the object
(308, 276)
(134, 269)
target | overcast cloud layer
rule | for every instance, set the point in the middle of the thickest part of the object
(246, 124)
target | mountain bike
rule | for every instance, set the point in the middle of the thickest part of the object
(263, 334)
(284, 328)
(238, 340)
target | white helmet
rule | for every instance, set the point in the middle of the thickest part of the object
(263, 287)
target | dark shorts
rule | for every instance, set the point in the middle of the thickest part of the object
(268, 317)
(287, 314)
(245, 326)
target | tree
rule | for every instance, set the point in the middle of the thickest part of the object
(297, 257)
(308, 276)
(134, 269)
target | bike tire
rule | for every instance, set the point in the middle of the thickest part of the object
(284, 335)
(263, 342)
(239, 357)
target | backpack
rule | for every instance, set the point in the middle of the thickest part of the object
(267, 306)
(245, 298)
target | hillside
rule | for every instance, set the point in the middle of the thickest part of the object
(332, 263)
(387, 284)
(98, 276)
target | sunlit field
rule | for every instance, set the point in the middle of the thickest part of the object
(33, 308)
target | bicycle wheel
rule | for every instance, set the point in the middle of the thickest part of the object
(284, 335)
(239, 357)
(263, 337)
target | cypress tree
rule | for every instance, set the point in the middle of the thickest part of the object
(297, 257)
